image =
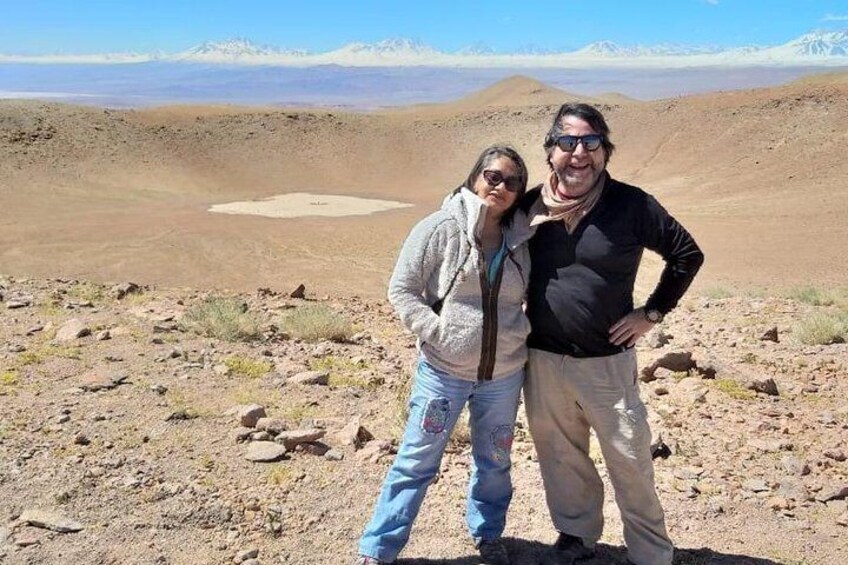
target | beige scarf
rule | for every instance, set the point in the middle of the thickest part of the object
(551, 207)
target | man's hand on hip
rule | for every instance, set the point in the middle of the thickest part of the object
(630, 328)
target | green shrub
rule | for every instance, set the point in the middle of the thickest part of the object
(812, 295)
(222, 318)
(316, 322)
(822, 329)
(246, 367)
(734, 389)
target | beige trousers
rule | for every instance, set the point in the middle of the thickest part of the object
(565, 396)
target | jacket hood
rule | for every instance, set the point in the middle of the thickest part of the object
(469, 210)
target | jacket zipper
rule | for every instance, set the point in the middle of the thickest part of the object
(489, 297)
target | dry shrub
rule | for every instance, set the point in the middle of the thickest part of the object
(812, 295)
(316, 322)
(223, 318)
(822, 328)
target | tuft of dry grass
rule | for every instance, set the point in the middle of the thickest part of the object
(822, 328)
(246, 367)
(734, 389)
(316, 322)
(222, 318)
(812, 295)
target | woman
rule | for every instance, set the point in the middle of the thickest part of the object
(459, 284)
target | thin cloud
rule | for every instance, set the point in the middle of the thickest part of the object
(711, 2)
(835, 18)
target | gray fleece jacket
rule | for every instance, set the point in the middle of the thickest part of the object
(480, 330)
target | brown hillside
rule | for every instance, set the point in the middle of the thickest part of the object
(756, 175)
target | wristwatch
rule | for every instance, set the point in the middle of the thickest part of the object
(653, 316)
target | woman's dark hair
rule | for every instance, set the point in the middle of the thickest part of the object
(486, 157)
(588, 114)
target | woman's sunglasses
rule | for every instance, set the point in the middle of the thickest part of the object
(568, 143)
(494, 178)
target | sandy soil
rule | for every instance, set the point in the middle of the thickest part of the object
(304, 204)
(757, 176)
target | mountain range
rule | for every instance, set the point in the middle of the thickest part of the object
(818, 47)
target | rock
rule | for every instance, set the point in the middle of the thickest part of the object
(842, 519)
(18, 302)
(770, 446)
(103, 335)
(221, 370)
(770, 335)
(261, 436)
(81, 439)
(690, 390)
(249, 415)
(4, 535)
(50, 521)
(159, 389)
(835, 454)
(120, 291)
(71, 330)
(311, 378)
(272, 425)
(660, 391)
(265, 452)
(795, 466)
(657, 338)
(838, 493)
(242, 434)
(767, 386)
(180, 415)
(708, 369)
(295, 437)
(374, 450)
(353, 434)
(246, 554)
(659, 449)
(299, 292)
(334, 455)
(755, 485)
(793, 488)
(101, 379)
(827, 418)
(677, 361)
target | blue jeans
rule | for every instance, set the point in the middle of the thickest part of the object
(435, 404)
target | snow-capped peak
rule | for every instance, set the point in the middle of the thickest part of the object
(828, 43)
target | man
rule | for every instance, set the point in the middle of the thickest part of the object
(591, 232)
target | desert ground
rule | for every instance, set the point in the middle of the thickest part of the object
(125, 431)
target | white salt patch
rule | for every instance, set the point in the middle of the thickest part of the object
(299, 204)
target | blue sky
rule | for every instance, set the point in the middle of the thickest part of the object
(91, 26)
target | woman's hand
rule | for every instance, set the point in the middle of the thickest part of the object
(630, 328)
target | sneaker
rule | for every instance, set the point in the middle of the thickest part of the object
(493, 552)
(365, 560)
(568, 550)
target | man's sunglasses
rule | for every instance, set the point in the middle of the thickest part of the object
(494, 178)
(568, 143)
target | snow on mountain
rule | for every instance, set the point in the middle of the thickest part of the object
(819, 43)
(819, 48)
(234, 50)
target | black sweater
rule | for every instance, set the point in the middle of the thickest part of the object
(582, 283)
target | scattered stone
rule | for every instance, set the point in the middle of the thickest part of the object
(245, 555)
(770, 335)
(827, 418)
(677, 361)
(334, 455)
(159, 389)
(353, 434)
(71, 330)
(835, 454)
(295, 437)
(659, 449)
(767, 386)
(103, 335)
(299, 292)
(261, 436)
(374, 450)
(4, 535)
(242, 434)
(17, 303)
(770, 446)
(265, 452)
(793, 488)
(34, 330)
(221, 370)
(180, 416)
(795, 466)
(839, 493)
(842, 519)
(779, 503)
(50, 521)
(81, 439)
(708, 369)
(120, 291)
(272, 425)
(16, 348)
(100, 379)
(249, 415)
(657, 338)
(311, 378)
(660, 391)
(755, 485)
(691, 390)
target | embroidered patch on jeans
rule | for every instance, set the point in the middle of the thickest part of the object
(502, 441)
(436, 416)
